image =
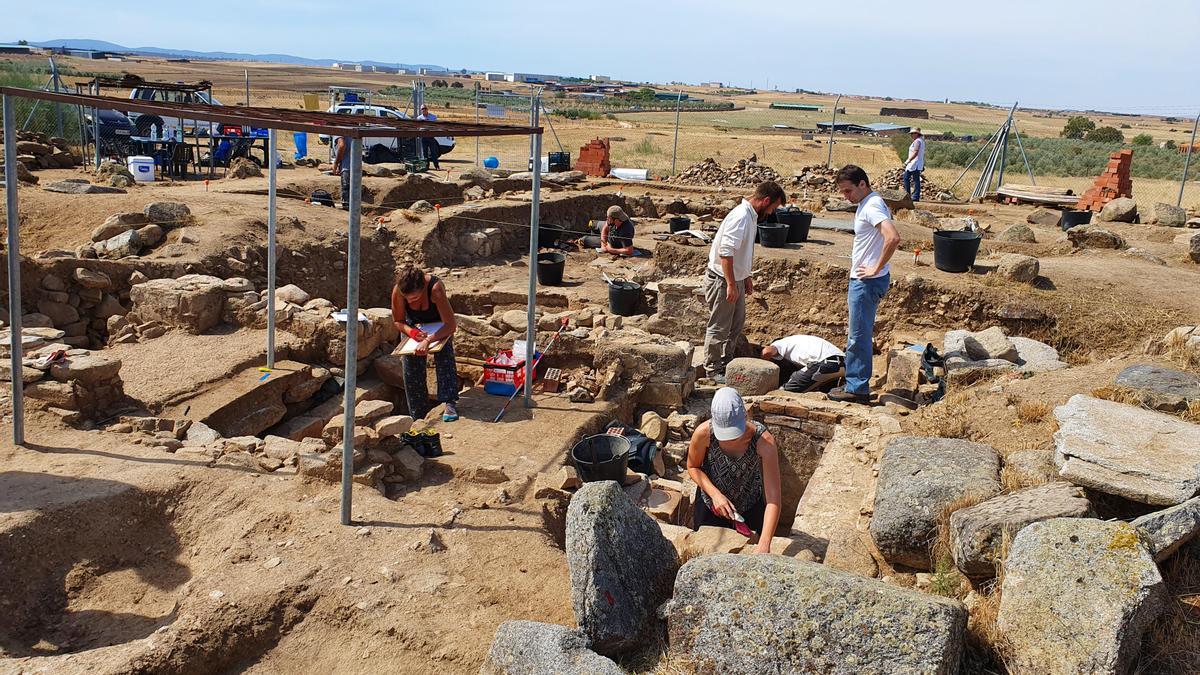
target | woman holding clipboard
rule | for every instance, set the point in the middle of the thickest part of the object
(421, 310)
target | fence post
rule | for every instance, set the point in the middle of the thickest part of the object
(1187, 161)
(13, 253)
(96, 134)
(247, 75)
(351, 373)
(832, 125)
(477, 122)
(675, 148)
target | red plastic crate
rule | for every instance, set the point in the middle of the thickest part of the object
(503, 380)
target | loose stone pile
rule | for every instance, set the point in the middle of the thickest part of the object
(39, 151)
(78, 385)
(746, 173)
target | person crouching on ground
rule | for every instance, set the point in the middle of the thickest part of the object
(806, 362)
(875, 240)
(616, 237)
(735, 466)
(420, 299)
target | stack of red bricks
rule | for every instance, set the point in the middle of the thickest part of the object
(593, 158)
(1113, 182)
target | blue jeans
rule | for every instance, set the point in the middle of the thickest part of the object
(863, 298)
(915, 178)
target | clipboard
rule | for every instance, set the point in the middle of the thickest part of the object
(409, 348)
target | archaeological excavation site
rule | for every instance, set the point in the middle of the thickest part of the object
(193, 401)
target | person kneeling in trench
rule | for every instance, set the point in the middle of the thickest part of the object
(736, 470)
(420, 299)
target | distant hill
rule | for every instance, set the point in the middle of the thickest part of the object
(101, 45)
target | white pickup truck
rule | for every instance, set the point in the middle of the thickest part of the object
(445, 143)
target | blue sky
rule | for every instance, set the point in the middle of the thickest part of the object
(1103, 54)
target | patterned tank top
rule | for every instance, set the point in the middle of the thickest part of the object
(740, 479)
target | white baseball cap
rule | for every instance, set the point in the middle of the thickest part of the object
(728, 414)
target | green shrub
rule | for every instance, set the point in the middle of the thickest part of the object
(1105, 135)
(1060, 157)
(1077, 127)
(645, 147)
(900, 145)
(1143, 139)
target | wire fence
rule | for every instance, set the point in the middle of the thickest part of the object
(665, 137)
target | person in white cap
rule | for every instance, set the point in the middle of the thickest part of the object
(735, 466)
(616, 237)
(915, 164)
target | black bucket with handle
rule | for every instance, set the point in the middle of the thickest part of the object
(623, 297)
(798, 222)
(955, 250)
(601, 457)
(1072, 218)
(550, 268)
(773, 235)
(679, 223)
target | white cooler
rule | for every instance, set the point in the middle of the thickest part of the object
(142, 168)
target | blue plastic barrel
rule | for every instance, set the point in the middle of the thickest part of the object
(491, 163)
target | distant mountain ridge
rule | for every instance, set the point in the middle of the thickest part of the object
(101, 45)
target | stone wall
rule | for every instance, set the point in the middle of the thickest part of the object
(801, 433)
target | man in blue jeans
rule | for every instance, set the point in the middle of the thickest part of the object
(875, 240)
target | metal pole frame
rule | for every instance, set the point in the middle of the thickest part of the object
(13, 253)
(418, 101)
(351, 374)
(271, 220)
(1028, 169)
(991, 139)
(535, 152)
(829, 160)
(1187, 162)
(675, 147)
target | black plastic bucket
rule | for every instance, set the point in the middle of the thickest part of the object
(623, 297)
(550, 268)
(955, 250)
(1072, 218)
(797, 221)
(548, 234)
(601, 457)
(773, 235)
(679, 223)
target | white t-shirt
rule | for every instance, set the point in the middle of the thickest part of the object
(803, 350)
(868, 240)
(918, 163)
(735, 239)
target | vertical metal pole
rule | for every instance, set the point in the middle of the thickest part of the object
(96, 134)
(13, 253)
(418, 101)
(477, 122)
(675, 148)
(535, 151)
(1024, 157)
(271, 218)
(54, 80)
(247, 74)
(351, 327)
(1003, 153)
(832, 126)
(1187, 161)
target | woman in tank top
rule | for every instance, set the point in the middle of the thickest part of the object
(735, 466)
(420, 299)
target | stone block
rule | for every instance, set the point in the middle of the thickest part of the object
(752, 377)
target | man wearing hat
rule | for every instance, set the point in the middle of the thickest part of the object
(616, 236)
(915, 164)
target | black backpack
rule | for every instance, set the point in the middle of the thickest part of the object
(321, 197)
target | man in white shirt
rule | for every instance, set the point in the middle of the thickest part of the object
(727, 279)
(806, 362)
(914, 165)
(875, 240)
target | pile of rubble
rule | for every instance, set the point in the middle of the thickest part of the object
(39, 151)
(73, 383)
(815, 177)
(79, 305)
(127, 234)
(746, 173)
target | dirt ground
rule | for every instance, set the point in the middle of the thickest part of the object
(136, 560)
